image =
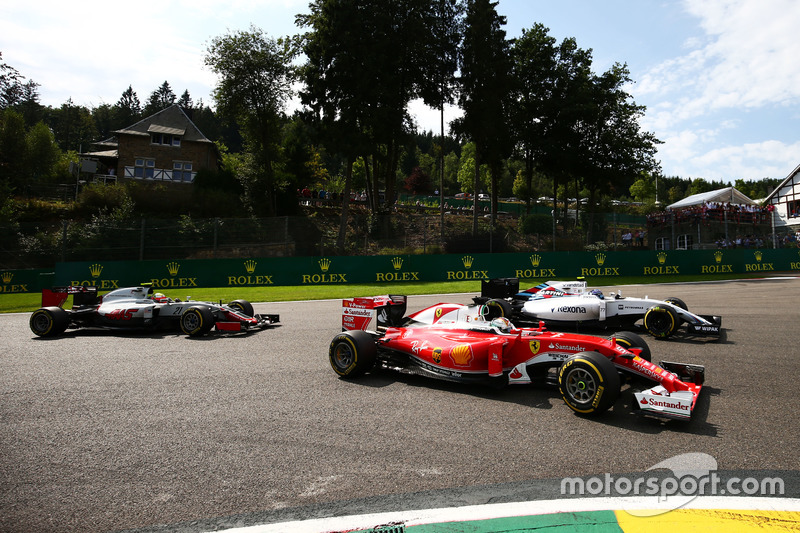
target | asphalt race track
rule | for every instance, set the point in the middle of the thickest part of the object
(100, 432)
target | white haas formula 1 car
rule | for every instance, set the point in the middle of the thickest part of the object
(572, 303)
(135, 308)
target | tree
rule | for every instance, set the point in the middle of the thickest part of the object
(11, 85)
(255, 76)
(534, 68)
(41, 153)
(160, 99)
(12, 149)
(72, 125)
(418, 182)
(128, 109)
(485, 90)
(185, 101)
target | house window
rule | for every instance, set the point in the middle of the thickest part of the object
(684, 242)
(182, 171)
(793, 208)
(165, 139)
(662, 243)
(144, 168)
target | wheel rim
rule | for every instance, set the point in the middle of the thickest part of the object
(343, 355)
(659, 322)
(581, 385)
(191, 321)
(41, 322)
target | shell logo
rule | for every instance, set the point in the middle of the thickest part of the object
(535, 345)
(461, 354)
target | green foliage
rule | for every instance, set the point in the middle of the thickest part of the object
(535, 224)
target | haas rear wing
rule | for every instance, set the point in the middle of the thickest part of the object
(373, 312)
(81, 296)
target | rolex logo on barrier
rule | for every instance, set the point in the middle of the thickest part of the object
(251, 278)
(759, 266)
(324, 265)
(718, 267)
(95, 270)
(397, 265)
(173, 268)
(6, 287)
(662, 267)
(535, 272)
(467, 274)
(601, 269)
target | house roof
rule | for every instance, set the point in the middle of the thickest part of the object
(728, 195)
(788, 180)
(171, 120)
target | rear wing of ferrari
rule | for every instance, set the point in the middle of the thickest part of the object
(373, 312)
(81, 296)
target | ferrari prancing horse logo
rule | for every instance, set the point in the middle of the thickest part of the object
(535, 345)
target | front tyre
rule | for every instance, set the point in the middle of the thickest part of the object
(243, 306)
(677, 302)
(661, 321)
(629, 340)
(352, 353)
(49, 321)
(197, 321)
(589, 383)
(496, 308)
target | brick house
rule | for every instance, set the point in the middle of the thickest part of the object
(165, 148)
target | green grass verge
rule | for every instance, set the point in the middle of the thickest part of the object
(29, 302)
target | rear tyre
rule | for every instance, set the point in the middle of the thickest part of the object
(661, 321)
(49, 321)
(497, 308)
(352, 353)
(632, 340)
(243, 306)
(197, 321)
(589, 383)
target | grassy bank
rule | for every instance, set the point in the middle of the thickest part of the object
(15, 303)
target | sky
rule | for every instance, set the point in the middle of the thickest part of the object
(720, 78)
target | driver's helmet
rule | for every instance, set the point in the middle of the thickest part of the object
(597, 292)
(502, 324)
(160, 298)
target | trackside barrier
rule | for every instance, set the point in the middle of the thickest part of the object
(330, 270)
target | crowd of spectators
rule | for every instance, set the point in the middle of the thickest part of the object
(713, 211)
(789, 240)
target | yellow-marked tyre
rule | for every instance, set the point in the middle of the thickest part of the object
(352, 353)
(589, 383)
(661, 322)
(242, 306)
(497, 308)
(197, 321)
(630, 340)
(49, 321)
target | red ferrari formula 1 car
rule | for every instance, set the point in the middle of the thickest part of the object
(464, 343)
(137, 308)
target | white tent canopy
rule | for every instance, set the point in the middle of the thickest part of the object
(728, 195)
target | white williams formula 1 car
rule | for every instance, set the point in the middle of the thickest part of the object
(572, 303)
(138, 308)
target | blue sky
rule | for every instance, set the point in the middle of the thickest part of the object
(720, 78)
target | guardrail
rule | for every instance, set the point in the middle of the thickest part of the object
(297, 271)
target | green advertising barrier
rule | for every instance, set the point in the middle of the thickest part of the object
(29, 280)
(298, 271)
